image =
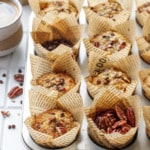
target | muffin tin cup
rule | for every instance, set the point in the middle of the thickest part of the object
(99, 26)
(108, 100)
(67, 29)
(39, 103)
(64, 64)
(122, 64)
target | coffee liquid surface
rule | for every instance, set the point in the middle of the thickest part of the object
(8, 13)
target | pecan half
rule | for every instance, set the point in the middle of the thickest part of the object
(120, 113)
(130, 116)
(125, 128)
(119, 124)
(19, 77)
(15, 91)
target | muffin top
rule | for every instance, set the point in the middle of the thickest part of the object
(144, 8)
(107, 9)
(110, 42)
(59, 82)
(56, 7)
(114, 77)
(54, 122)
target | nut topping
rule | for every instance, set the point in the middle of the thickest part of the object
(115, 120)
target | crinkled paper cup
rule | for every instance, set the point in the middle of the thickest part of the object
(40, 103)
(119, 18)
(146, 112)
(64, 64)
(67, 29)
(145, 82)
(108, 100)
(129, 65)
(99, 27)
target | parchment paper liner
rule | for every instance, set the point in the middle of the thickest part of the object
(99, 26)
(46, 30)
(123, 16)
(35, 6)
(146, 112)
(64, 63)
(143, 74)
(143, 44)
(108, 100)
(141, 17)
(130, 65)
(40, 103)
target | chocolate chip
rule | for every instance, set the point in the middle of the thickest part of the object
(38, 126)
(62, 115)
(1, 82)
(4, 75)
(21, 102)
(13, 126)
(98, 81)
(50, 45)
(19, 71)
(21, 84)
(9, 126)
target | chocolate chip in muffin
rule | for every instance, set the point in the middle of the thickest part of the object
(50, 45)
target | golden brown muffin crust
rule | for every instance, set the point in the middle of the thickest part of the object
(54, 122)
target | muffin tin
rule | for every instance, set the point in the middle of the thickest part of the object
(83, 141)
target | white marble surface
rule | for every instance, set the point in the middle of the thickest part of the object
(11, 139)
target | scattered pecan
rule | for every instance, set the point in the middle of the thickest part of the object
(19, 77)
(5, 113)
(15, 91)
(130, 116)
(1, 82)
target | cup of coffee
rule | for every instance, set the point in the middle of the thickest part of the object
(10, 18)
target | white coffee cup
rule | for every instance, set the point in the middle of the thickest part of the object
(10, 18)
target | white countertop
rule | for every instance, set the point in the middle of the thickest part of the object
(10, 139)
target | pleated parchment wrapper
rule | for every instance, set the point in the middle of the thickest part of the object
(108, 100)
(66, 28)
(141, 17)
(99, 26)
(129, 65)
(144, 75)
(40, 103)
(146, 115)
(117, 19)
(143, 42)
(63, 64)
(39, 7)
